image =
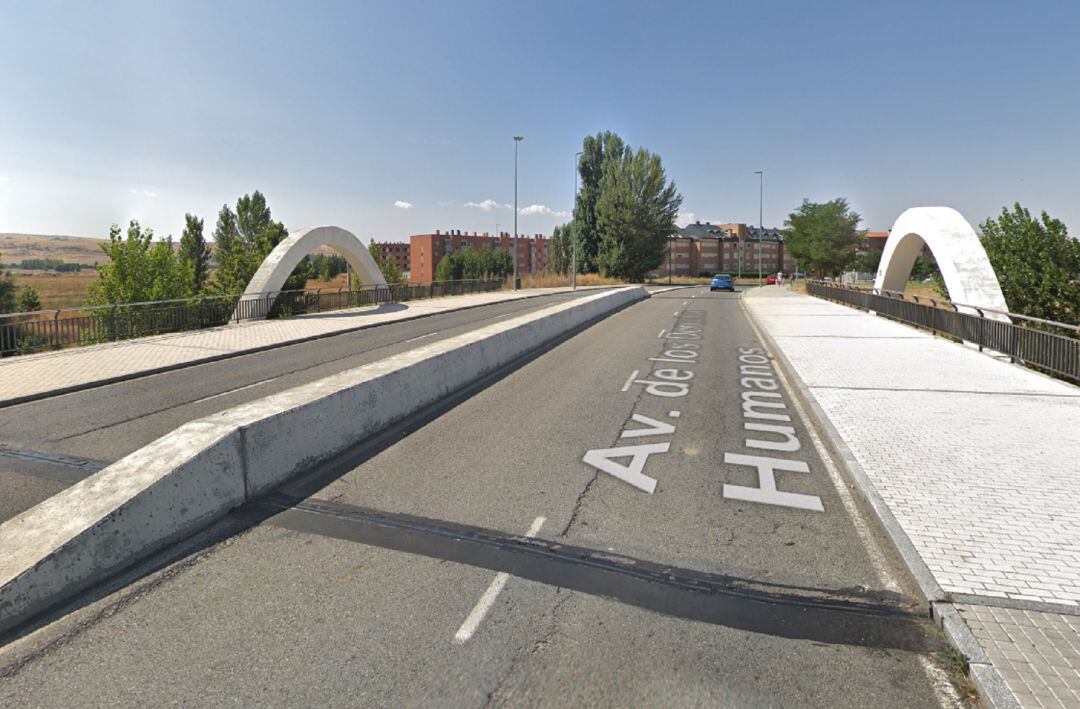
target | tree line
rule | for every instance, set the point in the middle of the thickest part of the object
(624, 212)
(1036, 261)
(141, 269)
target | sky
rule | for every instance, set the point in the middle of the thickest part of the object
(396, 118)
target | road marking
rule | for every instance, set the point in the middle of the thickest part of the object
(420, 337)
(862, 528)
(488, 599)
(662, 332)
(630, 381)
(233, 391)
(674, 414)
(676, 313)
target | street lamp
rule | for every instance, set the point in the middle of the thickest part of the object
(517, 139)
(573, 225)
(760, 224)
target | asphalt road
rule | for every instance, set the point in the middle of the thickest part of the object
(408, 580)
(49, 444)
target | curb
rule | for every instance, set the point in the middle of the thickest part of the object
(985, 677)
(193, 476)
(37, 396)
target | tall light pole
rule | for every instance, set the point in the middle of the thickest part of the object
(517, 139)
(573, 223)
(760, 224)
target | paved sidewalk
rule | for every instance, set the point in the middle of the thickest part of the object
(32, 376)
(973, 464)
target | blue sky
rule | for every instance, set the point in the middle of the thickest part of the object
(340, 111)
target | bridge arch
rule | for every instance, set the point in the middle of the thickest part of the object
(279, 263)
(960, 256)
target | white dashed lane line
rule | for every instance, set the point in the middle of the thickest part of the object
(488, 599)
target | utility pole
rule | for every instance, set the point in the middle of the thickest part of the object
(517, 139)
(573, 225)
(761, 226)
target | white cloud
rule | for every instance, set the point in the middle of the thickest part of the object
(402, 204)
(488, 204)
(444, 203)
(143, 192)
(4, 179)
(544, 210)
(684, 218)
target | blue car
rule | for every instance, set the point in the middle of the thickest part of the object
(722, 281)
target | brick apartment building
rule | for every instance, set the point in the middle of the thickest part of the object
(703, 248)
(397, 251)
(426, 250)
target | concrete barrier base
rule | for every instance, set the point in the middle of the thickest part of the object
(185, 480)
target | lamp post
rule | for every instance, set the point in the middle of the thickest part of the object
(573, 225)
(517, 139)
(760, 224)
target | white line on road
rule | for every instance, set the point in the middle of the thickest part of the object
(420, 337)
(233, 391)
(488, 599)
(633, 376)
(662, 332)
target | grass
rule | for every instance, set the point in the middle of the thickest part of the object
(56, 290)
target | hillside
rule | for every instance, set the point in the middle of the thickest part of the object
(70, 249)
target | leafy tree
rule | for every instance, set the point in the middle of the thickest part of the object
(29, 300)
(635, 214)
(388, 265)
(139, 269)
(7, 294)
(924, 267)
(562, 248)
(243, 240)
(868, 262)
(599, 152)
(195, 251)
(1037, 264)
(474, 264)
(823, 238)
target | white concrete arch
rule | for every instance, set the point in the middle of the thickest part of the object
(280, 262)
(960, 255)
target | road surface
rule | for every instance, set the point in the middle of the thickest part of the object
(590, 528)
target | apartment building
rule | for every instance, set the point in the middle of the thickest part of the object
(396, 251)
(426, 250)
(704, 248)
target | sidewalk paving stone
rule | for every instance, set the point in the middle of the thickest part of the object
(978, 461)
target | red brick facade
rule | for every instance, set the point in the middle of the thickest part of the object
(397, 251)
(426, 250)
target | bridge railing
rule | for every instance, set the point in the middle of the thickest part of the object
(1051, 346)
(25, 333)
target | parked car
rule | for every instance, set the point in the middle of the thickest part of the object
(770, 280)
(722, 281)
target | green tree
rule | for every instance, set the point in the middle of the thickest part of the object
(388, 265)
(599, 152)
(244, 238)
(450, 268)
(868, 262)
(139, 269)
(1037, 264)
(7, 293)
(561, 246)
(635, 215)
(195, 251)
(29, 300)
(823, 238)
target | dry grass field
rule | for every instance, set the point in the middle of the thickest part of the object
(70, 249)
(56, 290)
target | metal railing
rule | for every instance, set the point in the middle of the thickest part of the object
(1043, 344)
(25, 333)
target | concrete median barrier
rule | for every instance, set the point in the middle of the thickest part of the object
(185, 480)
